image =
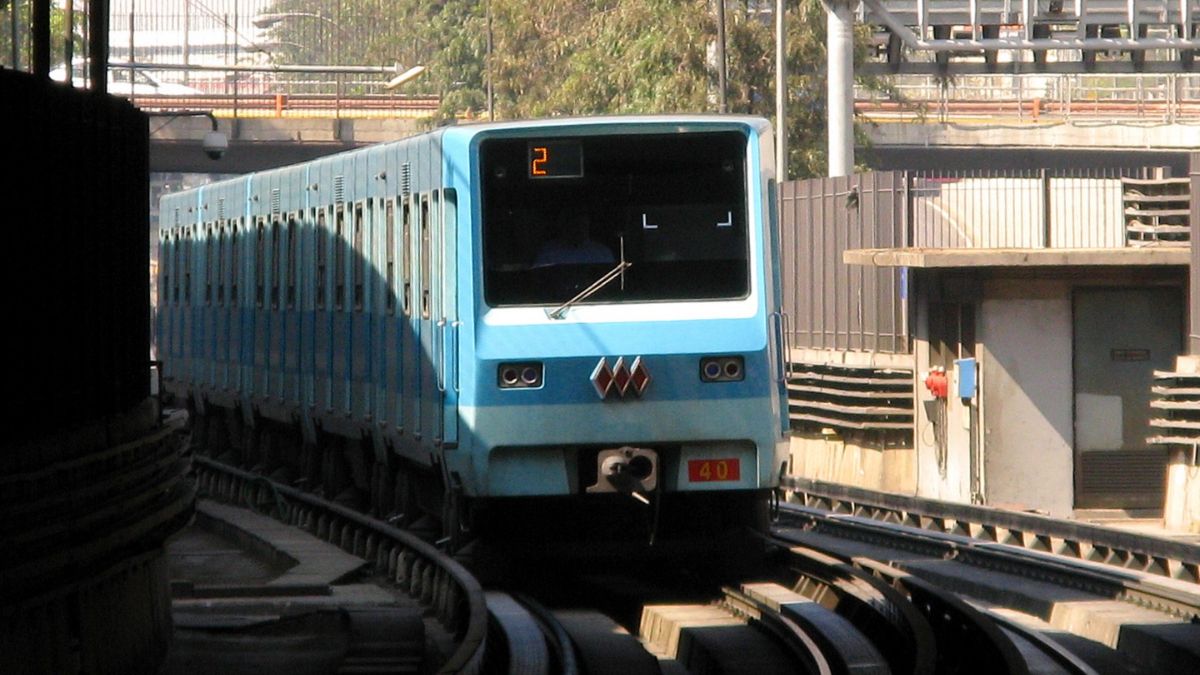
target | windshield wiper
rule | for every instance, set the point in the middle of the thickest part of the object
(614, 273)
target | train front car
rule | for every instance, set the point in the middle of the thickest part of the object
(625, 354)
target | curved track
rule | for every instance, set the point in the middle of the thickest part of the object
(839, 594)
(441, 584)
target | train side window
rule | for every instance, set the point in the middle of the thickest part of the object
(187, 267)
(293, 245)
(360, 257)
(275, 266)
(322, 258)
(260, 250)
(425, 255)
(339, 258)
(406, 255)
(166, 257)
(389, 219)
(234, 271)
(222, 242)
(209, 258)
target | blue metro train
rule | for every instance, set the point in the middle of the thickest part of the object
(577, 310)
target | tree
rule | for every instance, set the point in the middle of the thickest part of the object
(24, 37)
(582, 57)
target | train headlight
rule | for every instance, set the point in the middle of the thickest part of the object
(722, 369)
(519, 375)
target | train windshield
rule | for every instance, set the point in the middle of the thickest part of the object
(559, 213)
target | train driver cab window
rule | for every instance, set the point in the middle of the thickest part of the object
(559, 213)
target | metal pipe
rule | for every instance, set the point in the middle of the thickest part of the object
(41, 37)
(722, 85)
(187, 38)
(491, 93)
(840, 107)
(781, 153)
(394, 69)
(69, 43)
(98, 44)
(14, 21)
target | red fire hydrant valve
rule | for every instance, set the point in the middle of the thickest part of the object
(937, 382)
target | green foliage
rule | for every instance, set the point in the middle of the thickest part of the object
(58, 24)
(579, 57)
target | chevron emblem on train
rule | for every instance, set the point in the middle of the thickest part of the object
(619, 380)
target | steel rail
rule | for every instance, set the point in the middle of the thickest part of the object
(799, 644)
(428, 575)
(525, 645)
(1082, 541)
(963, 632)
(901, 633)
(1167, 596)
(562, 649)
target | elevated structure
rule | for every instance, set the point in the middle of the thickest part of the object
(972, 36)
(985, 338)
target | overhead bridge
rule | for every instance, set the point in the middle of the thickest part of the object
(271, 130)
(1036, 36)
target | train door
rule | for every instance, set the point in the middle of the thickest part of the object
(358, 309)
(323, 325)
(448, 323)
(1120, 337)
(408, 380)
(428, 414)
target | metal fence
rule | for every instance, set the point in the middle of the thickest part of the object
(834, 305)
(194, 53)
(1031, 209)
(967, 99)
(852, 307)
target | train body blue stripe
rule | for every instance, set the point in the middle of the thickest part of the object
(332, 364)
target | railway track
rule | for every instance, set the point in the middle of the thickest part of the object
(841, 593)
(441, 585)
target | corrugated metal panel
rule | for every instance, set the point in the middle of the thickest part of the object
(834, 305)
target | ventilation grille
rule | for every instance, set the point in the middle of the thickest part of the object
(850, 397)
(339, 189)
(406, 179)
(221, 208)
(275, 201)
(177, 217)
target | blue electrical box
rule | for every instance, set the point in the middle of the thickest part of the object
(966, 377)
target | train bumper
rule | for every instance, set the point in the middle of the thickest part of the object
(732, 445)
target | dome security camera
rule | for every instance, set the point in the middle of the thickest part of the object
(215, 144)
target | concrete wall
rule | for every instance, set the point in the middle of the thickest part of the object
(863, 459)
(941, 474)
(1026, 407)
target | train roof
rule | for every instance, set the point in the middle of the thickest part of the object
(472, 128)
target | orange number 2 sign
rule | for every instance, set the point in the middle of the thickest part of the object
(540, 156)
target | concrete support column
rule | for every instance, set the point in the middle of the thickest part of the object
(1181, 505)
(839, 42)
(1181, 512)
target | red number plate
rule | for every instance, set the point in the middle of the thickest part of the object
(705, 470)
